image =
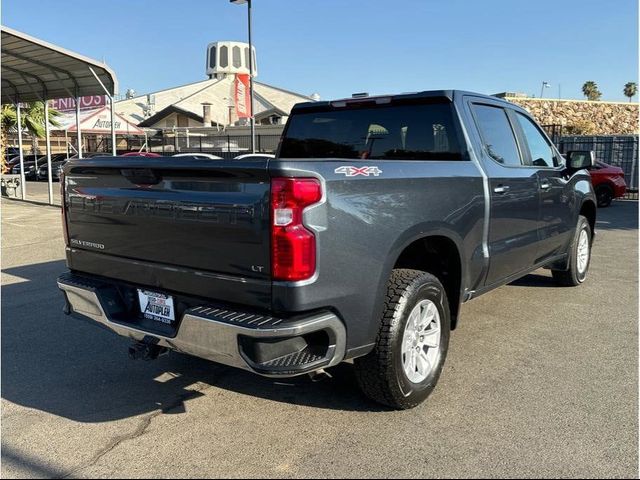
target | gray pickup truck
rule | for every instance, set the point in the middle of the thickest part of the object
(358, 242)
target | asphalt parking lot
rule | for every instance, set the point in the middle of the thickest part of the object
(541, 381)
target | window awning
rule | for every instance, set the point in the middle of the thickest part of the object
(34, 70)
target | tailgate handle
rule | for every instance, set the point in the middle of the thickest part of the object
(141, 176)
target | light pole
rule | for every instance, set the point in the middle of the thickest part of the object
(252, 118)
(544, 85)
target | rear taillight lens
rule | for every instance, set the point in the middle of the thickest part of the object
(293, 246)
(65, 229)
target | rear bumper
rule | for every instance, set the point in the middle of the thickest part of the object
(263, 344)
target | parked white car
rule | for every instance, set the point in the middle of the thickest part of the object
(207, 156)
(262, 156)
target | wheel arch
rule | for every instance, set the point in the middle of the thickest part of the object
(588, 209)
(439, 253)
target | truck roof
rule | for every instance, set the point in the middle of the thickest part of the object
(443, 94)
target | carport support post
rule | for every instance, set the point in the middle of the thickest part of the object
(78, 132)
(22, 177)
(48, 143)
(253, 114)
(113, 128)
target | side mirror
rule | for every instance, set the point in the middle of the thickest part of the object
(579, 159)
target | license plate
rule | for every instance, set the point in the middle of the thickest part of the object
(156, 306)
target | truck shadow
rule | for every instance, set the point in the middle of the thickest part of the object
(535, 280)
(74, 369)
(621, 215)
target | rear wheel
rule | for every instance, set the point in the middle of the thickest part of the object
(579, 256)
(604, 194)
(412, 343)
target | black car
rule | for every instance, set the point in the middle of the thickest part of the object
(57, 161)
(11, 152)
(12, 160)
(31, 165)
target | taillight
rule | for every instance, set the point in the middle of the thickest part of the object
(293, 246)
(65, 229)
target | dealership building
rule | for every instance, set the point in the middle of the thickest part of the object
(218, 101)
(185, 118)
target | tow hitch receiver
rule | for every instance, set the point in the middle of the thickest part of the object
(146, 350)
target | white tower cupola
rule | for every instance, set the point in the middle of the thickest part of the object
(224, 58)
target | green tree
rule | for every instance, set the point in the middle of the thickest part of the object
(32, 116)
(630, 89)
(590, 90)
(32, 119)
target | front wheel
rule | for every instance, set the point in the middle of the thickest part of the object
(579, 256)
(412, 343)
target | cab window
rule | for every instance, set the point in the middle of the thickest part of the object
(374, 132)
(497, 135)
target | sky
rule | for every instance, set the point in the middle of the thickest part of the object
(338, 47)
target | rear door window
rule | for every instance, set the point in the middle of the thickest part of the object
(497, 135)
(400, 132)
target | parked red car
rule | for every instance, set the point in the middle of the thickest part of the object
(608, 182)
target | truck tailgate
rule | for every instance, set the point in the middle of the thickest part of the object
(209, 216)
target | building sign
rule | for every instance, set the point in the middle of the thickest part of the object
(99, 122)
(241, 96)
(102, 124)
(69, 104)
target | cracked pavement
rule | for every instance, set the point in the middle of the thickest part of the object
(541, 381)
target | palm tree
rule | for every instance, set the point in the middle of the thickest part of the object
(32, 119)
(590, 90)
(630, 89)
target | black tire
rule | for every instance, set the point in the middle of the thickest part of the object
(604, 195)
(380, 374)
(573, 277)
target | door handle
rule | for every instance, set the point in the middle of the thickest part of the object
(545, 185)
(501, 189)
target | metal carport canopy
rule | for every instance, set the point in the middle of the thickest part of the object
(34, 70)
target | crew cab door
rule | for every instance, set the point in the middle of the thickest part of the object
(556, 222)
(513, 191)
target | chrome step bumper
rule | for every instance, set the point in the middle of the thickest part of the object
(219, 334)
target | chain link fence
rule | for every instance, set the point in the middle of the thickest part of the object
(619, 151)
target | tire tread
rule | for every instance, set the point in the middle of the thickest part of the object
(569, 277)
(374, 372)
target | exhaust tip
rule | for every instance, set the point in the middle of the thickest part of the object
(319, 375)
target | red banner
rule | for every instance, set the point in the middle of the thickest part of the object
(241, 95)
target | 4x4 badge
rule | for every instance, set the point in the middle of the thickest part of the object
(351, 171)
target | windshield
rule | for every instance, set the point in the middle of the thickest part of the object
(403, 132)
